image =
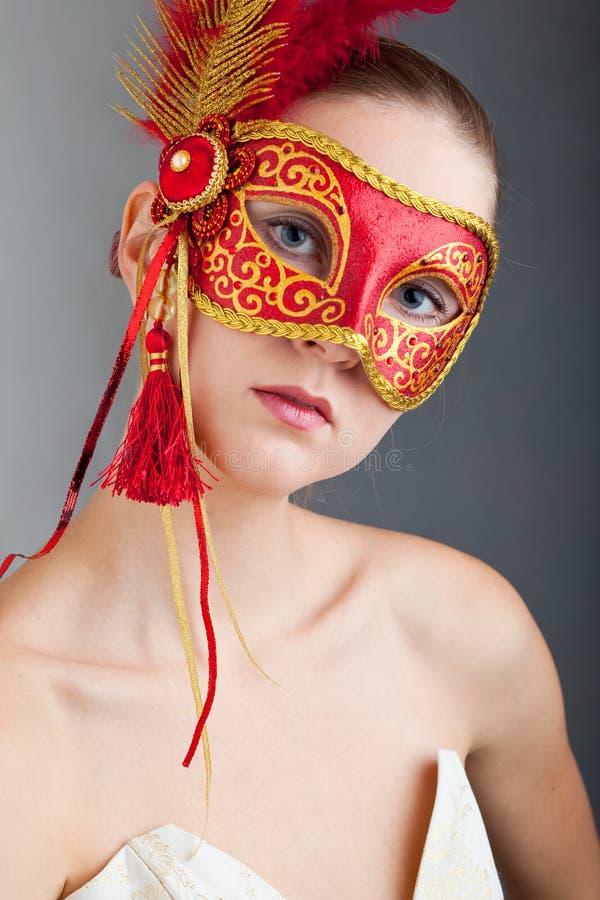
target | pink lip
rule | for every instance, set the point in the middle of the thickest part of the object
(280, 400)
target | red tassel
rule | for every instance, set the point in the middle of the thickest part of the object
(154, 463)
(162, 255)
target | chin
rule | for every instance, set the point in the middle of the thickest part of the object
(273, 467)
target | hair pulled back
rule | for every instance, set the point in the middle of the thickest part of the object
(402, 74)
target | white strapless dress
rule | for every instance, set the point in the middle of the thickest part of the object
(169, 863)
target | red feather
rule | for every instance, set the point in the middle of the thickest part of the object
(324, 36)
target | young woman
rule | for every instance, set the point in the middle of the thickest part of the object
(385, 647)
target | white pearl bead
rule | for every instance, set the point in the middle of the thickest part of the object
(180, 161)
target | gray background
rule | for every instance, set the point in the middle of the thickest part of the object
(501, 462)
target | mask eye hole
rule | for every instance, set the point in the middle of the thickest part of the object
(293, 235)
(429, 302)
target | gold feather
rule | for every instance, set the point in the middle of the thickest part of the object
(217, 64)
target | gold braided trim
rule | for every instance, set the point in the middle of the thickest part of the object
(334, 333)
(225, 595)
(182, 340)
(243, 322)
(182, 344)
(186, 635)
(265, 128)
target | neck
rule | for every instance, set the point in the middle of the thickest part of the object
(259, 545)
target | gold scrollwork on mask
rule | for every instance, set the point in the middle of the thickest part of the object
(239, 271)
(416, 356)
(254, 281)
(458, 263)
(411, 356)
(291, 173)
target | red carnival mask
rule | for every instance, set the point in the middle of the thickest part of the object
(382, 236)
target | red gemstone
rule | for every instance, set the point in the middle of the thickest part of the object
(192, 180)
(158, 210)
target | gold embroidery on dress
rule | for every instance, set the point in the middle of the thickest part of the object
(247, 876)
(156, 854)
(447, 871)
(151, 892)
(112, 873)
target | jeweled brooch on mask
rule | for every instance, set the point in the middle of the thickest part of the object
(195, 173)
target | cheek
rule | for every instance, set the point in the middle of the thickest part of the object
(364, 423)
(375, 425)
(225, 363)
(223, 360)
(212, 344)
(217, 361)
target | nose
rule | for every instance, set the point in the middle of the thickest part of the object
(339, 354)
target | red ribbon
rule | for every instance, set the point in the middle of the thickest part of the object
(133, 327)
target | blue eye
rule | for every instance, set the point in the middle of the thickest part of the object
(293, 236)
(299, 242)
(414, 298)
(429, 302)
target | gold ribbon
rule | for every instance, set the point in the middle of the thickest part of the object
(166, 515)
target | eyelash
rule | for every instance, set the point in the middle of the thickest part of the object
(431, 294)
(301, 225)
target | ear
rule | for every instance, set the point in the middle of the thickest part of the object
(135, 226)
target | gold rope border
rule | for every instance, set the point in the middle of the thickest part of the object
(322, 143)
(165, 511)
(182, 349)
(182, 342)
(335, 333)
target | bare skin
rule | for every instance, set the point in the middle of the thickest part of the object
(387, 646)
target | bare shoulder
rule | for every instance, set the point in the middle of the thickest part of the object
(440, 594)
(33, 838)
(460, 607)
(472, 626)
